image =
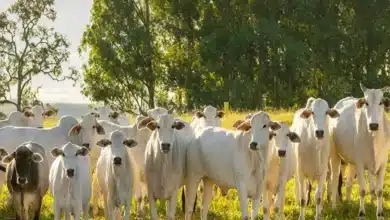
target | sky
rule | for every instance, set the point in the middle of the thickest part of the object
(72, 16)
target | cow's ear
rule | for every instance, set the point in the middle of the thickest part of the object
(7, 159)
(178, 125)
(142, 124)
(99, 129)
(103, 143)
(37, 158)
(237, 123)
(274, 125)
(306, 113)
(83, 151)
(3, 153)
(271, 135)
(152, 125)
(333, 113)
(130, 142)
(386, 104)
(244, 126)
(75, 130)
(49, 113)
(199, 114)
(294, 137)
(361, 102)
(55, 152)
(220, 114)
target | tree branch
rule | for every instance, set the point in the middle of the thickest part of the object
(2, 102)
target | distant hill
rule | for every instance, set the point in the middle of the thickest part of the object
(73, 109)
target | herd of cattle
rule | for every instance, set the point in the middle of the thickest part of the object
(153, 158)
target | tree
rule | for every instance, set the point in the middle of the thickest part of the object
(28, 48)
(122, 55)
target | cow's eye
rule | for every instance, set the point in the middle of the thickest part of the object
(366, 103)
(158, 127)
(381, 103)
(94, 126)
(264, 126)
(173, 126)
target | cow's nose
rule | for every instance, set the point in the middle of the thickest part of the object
(86, 145)
(70, 173)
(117, 160)
(22, 180)
(281, 153)
(253, 145)
(165, 147)
(374, 126)
(319, 134)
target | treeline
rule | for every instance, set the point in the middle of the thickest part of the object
(251, 53)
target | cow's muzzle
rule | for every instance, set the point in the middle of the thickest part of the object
(87, 146)
(165, 147)
(117, 161)
(70, 173)
(374, 126)
(253, 146)
(319, 134)
(281, 153)
(22, 180)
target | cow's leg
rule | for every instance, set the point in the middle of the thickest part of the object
(302, 194)
(86, 206)
(110, 207)
(379, 193)
(138, 198)
(191, 188)
(255, 206)
(67, 214)
(105, 202)
(243, 196)
(267, 197)
(372, 181)
(362, 186)
(172, 205)
(350, 178)
(280, 197)
(328, 183)
(128, 205)
(207, 197)
(335, 162)
(152, 206)
(57, 209)
(38, 209)
(319, 194)
(296, 189)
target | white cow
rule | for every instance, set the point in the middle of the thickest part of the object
(164, 162)
(209, 117)
(39, 114)
(361, 137)
(70, 183)
(230, 159)
(18, 119)
(157, 111)
(115, 174)
(312, 153)
(281, 167)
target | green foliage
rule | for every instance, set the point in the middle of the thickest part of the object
(28, 48)
(238, 51)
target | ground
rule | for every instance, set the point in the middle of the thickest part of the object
(228, 207)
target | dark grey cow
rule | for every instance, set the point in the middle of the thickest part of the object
(27, 179)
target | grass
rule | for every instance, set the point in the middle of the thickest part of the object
(228, 207)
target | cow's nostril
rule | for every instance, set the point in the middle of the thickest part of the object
(117, 160)
(281, 153)
(319, 133)
(253, 145)
(70, 172)
(165, 146)
(22, 180)
(374, 126)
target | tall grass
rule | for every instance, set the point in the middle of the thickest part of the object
(228, 207)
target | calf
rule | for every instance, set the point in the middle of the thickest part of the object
(70, 183)
(164, 162)
(209, 117)
(115, 174)
(27, 180)
(231, 159)
(18, 119)
(361, 136)
(311, 124)
(281, 167)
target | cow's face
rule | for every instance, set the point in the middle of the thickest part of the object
(118, 144)
(165, 127)
(375, 105)
(69, 154)
(259, 126)
(319, 111)
(87, 129)
(210, 116)
(282, 139)
(24, 159)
